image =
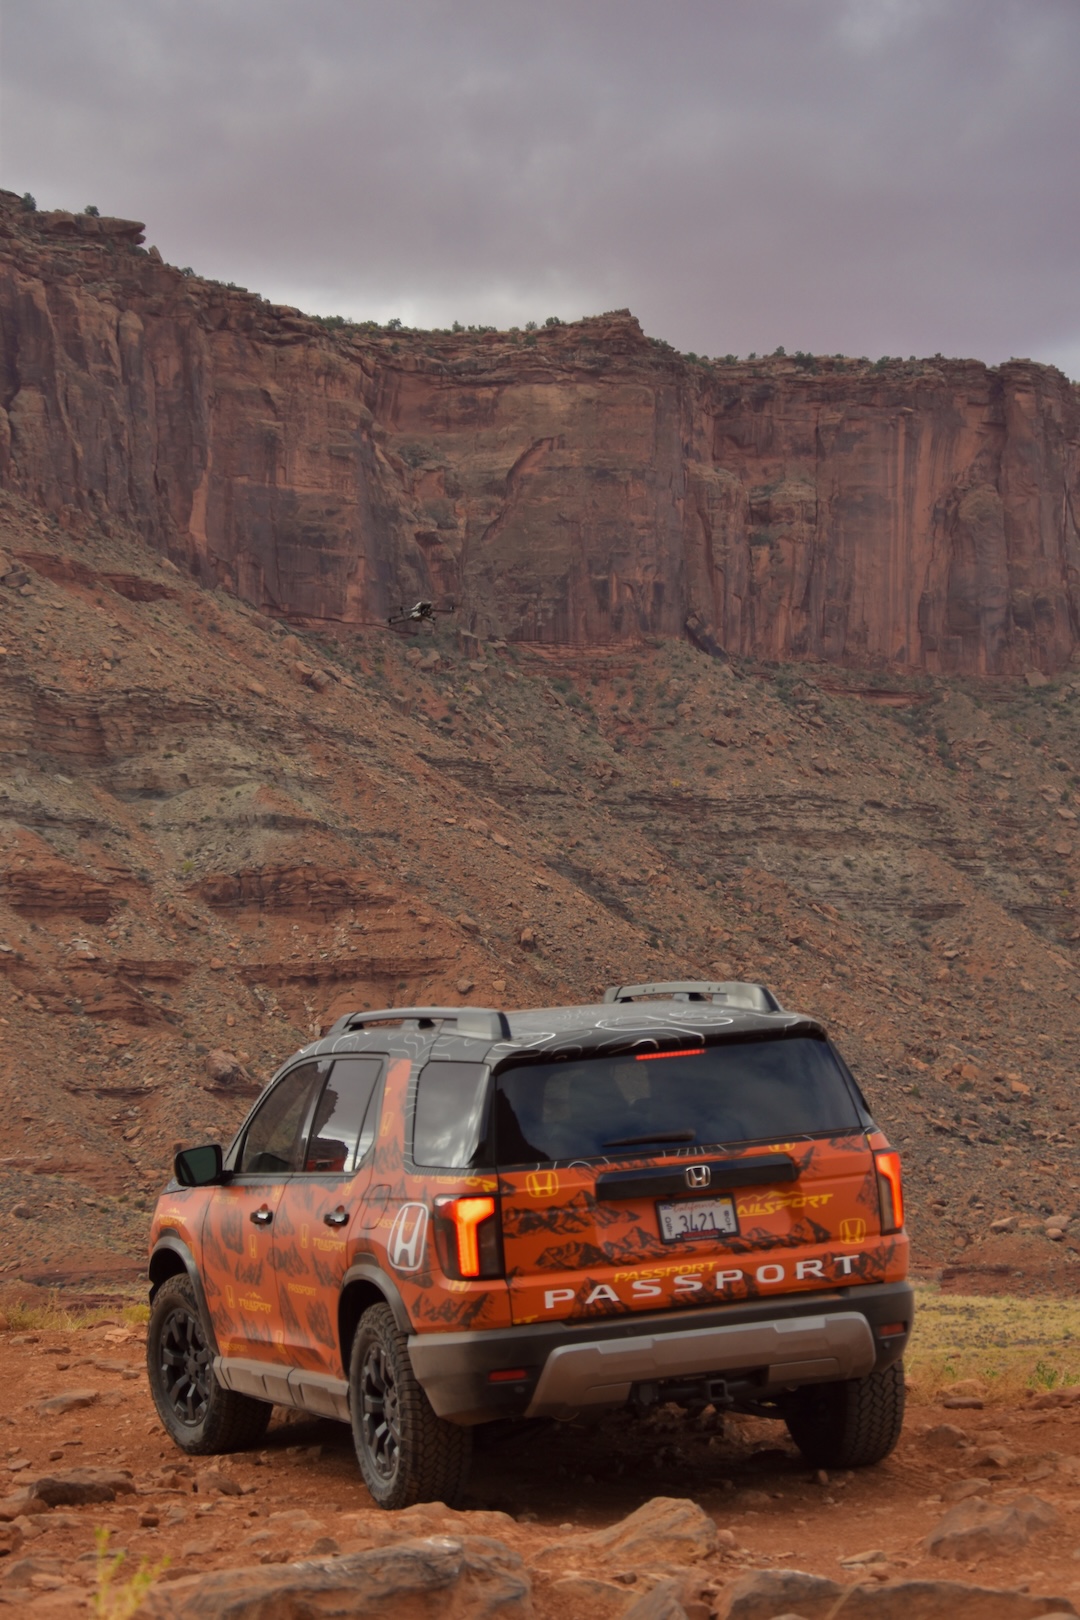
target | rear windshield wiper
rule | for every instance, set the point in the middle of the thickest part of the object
(645, 1141)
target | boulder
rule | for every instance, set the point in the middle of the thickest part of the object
(224, 1069)
(768, 1594)
(78, 1486)
(664, 1530)
(976, 1527)
(437, 1578)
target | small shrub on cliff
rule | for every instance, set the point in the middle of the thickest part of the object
(553, 320)
(93, 210)
(29, 204)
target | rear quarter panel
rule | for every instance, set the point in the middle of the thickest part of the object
(401, 1236)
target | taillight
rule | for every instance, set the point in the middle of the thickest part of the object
(468, 1238)
(890, 1188)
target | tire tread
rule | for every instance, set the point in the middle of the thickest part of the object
(853, 1424)
(233, 1422)
(434, 1455)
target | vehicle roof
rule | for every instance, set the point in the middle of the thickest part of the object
(561, 1032)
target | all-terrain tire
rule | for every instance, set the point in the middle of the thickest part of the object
(850, 1424)
(406, 1453)
(201, 1416)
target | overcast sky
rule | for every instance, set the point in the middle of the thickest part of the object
(865, 176)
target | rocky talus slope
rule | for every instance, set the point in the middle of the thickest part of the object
(219, 832)
(581, 484)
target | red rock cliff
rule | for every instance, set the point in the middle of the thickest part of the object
(580, 484)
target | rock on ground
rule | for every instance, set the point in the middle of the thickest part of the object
(783, 1594)
(976, 1527)
(438, 1578)
(664, 1530)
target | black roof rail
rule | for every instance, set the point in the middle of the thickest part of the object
(735, 992)
(480, 1023)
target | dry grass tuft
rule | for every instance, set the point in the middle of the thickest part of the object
(55, 1316)
(996, 1346)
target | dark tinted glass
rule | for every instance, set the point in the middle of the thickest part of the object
(339, 1136)
(272, 1144)
(742, 1091)
(450, 1110)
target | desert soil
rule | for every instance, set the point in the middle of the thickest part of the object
(301, 1492)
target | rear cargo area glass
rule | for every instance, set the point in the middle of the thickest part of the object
(614, 1107)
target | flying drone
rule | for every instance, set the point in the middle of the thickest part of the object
(419, 613)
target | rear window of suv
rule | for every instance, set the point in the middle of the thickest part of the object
(739, 1091)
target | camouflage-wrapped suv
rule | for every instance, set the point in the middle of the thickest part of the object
(435, 1217)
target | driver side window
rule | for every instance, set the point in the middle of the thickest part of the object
(272, 1143)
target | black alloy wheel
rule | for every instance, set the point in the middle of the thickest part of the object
(199, 1414)
(184, 1359)
(380, 1412)
(406, 1453)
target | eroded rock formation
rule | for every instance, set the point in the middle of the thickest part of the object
(581, 484)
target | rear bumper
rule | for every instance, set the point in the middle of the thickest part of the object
(769, 1344)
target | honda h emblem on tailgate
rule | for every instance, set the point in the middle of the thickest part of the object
(698, 1175)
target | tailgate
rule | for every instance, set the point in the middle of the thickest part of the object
(624, 1236)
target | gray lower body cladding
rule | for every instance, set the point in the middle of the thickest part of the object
(569, 1367)
(317, 1393)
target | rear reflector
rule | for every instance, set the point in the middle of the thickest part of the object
(508, 1375)
(686, 1051)
(892, 1330)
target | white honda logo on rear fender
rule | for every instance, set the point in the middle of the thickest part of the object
(405, 1245)
(698, 1175)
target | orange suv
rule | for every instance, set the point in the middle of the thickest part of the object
(436, 1217)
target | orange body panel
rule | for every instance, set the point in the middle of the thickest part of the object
(311, 1259)
(238, 1272)
(568, 1255)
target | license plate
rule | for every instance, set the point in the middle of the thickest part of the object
(697, 1218)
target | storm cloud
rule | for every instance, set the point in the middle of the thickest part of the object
(860, 176)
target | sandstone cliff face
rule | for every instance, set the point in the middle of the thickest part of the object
(583, 484)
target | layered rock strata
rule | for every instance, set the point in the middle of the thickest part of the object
(578, 485)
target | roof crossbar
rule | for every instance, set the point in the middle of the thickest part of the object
(736, 993)
(478, 1023)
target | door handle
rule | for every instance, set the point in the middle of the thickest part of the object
(336, 1217)
(262, 1217)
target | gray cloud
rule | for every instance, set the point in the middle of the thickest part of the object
(871, 176)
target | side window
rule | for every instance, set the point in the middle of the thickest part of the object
(451, 1110)
(344, 1125)
(272, 1143)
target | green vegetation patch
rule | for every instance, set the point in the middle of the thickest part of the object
(1003, 1343)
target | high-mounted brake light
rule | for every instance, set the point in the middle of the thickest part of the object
(890, 1191)
(467, 1237)
(684, 1051)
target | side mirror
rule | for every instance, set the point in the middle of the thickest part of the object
(199, 1166)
